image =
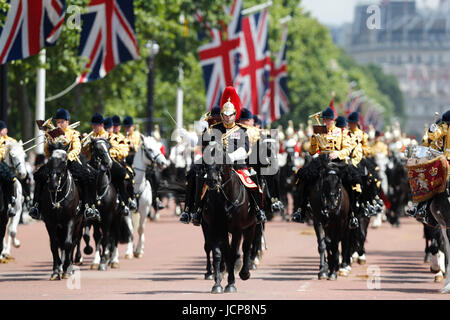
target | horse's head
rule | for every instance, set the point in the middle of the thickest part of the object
(151, 151)
(331, 188)
(57, 165)
(100, 153)
(213, 177)
(15, 158)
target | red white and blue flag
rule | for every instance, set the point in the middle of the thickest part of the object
(278, 102)
(220, 57)
(108, 37)
(30, 26)
(254, 69)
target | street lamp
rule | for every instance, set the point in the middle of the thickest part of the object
(153, 48)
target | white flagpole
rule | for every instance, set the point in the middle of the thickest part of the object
(40, 102)
(180, 97)
(257, 8)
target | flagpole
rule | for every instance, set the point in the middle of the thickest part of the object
(257, 8)
(40, 102)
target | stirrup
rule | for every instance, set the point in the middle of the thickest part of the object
(34, 213)
(185, 217)
(298, 216)
(261, 216)
(354, 223)
(132, 204)
(196, 219)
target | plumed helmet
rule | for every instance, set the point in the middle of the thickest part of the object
(341, 122)
(230, 102)
(116, 120)
(128, 121)
(97, 119)
(328, 113)
(353, 117)
(108, 123)
(446, 117)
(62, 114)
(246, 114)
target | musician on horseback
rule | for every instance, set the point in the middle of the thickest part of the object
(437, 138)
(234, 140)
(133, 138)
(79, 171)
(118, 152)
(335, 143)
(7, 175)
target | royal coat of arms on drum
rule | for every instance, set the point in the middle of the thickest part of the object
(427, 177)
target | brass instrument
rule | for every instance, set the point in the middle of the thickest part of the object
(319, 128)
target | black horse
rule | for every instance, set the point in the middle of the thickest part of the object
(111, 229)
(60, 206)
(228, 213)
(287, 176)
(330, 211)
(399, 192)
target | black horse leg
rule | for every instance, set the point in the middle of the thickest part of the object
(323, 271)
(87, 237)
(256, 245)
(68, 250)
(249, 234)
(231, 256)
(55, 253)
(97, 239)
(217, 256)
(209, 273)
(333, 258)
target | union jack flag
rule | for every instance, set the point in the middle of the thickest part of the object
(30, 26)
(220, 57)
(254, 68)
(278, 102)
(107, 37)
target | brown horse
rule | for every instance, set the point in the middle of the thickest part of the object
(228, 213)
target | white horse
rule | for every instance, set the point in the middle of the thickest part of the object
(15, 159)
(148, 153)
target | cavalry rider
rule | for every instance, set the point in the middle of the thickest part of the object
(7, 175)
(235, 142)
(118, 153)
(79, 171)
(133, 137)
(335, 143)
(193, 194)
(437, 138)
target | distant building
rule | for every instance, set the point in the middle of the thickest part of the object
(413, 45)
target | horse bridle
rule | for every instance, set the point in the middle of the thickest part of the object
(237, 203)
(57, 204)
(329, 172)
(108, 172)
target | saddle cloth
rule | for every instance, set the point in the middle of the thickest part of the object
(427, 178)
(244, 175)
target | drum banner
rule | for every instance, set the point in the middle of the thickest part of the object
(428, 178)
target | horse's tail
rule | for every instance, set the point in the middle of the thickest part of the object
(124, 233)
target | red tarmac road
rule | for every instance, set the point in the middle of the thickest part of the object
(174, 263)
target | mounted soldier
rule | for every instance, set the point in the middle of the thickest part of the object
(80, 172)
(332, 142)
(119, 172)
(437, 138)
(232, 139)
(7, 175)
(133, 138)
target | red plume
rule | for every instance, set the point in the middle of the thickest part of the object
(230, 93)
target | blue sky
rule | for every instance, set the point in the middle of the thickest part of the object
(336, 12)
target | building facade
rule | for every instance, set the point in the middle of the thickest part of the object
(413, 45)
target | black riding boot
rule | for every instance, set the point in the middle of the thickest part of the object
(256, 202)
(34, 211)
(300, 204)
(190, 197)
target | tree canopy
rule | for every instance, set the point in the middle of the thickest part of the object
(316, 67)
